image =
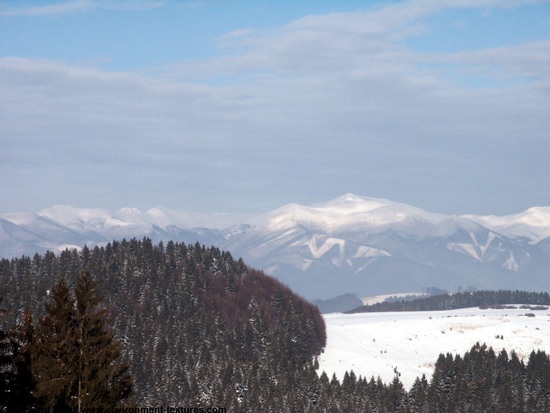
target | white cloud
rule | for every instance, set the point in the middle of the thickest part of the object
(325, 104)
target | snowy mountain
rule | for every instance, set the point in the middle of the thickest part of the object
(533, 224)
(351, 244)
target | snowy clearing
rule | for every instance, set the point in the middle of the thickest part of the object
(379, 344)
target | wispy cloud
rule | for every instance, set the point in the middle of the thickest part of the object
(354, 44)
(75, 6)
(81, 6)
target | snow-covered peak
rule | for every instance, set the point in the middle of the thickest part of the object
(534, 223)
(349, 212)
(352, 201)
(130, 211)
(536, 217)
(163, 217)
(93, 219)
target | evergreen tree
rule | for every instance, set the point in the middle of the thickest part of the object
(56, 361)
(24, 389)
(76, 355)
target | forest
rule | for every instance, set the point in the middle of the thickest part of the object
(144, 326)
(454, 301)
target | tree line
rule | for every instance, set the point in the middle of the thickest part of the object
(454, 301)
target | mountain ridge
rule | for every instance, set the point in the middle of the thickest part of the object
(352, 243)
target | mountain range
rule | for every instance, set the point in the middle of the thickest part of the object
(352, 244)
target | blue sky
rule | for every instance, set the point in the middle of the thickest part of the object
(244, 106)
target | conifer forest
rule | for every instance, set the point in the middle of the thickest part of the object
(138, 326)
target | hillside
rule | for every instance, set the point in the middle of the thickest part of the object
(195, 324)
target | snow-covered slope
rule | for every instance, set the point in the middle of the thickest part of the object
(409, 343)
(533, 224)
(352, 244)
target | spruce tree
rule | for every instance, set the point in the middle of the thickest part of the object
(77, 356)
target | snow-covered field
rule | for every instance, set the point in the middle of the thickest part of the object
(379, 344)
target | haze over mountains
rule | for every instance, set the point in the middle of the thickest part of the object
(354, 244)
